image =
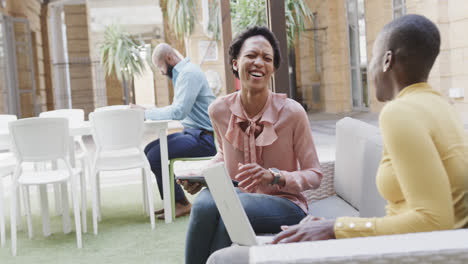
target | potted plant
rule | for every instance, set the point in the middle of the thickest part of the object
(121, 54)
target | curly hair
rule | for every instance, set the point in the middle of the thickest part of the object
(238, 41)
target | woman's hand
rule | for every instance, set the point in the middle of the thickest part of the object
(308, 218)
(307, 231)
(251, 175)
(191, 188)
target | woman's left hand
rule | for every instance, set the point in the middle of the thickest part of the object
(251, 175)
(307, 231)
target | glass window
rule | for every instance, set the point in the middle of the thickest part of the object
(316, 44)
(399, 8)
(357, 52)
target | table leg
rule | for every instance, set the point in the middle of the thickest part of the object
(71, 150)
(165, 175)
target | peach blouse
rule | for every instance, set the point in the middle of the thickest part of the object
(278, 137)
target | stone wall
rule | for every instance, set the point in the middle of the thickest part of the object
(334, 75)
(450, 71)
(378, 13)
(449, 74)
(81, 82)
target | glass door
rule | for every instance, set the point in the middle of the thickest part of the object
(17, 65)
(357, 53)
(4, 100)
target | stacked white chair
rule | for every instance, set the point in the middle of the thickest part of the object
(6, 169)
(43, 140)
(118, 134)
(75, 120)
(7, 166)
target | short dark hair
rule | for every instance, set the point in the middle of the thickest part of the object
(415, 42)
(238, 41)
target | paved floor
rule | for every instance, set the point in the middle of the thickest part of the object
(323, 130)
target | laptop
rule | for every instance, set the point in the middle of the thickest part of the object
(230, 208)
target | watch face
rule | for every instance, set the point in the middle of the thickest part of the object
(275, 170)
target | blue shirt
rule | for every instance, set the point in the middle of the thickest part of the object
(192, 96)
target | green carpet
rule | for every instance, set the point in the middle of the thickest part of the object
(125, 235)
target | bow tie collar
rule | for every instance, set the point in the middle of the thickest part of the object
(250, 135)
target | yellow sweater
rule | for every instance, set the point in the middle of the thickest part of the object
(423, 173)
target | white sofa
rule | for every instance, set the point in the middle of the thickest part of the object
(442, 247)
(348, 189)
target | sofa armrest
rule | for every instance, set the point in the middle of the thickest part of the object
(326, 188)
(428, 247)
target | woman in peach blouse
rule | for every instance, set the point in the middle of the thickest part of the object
(265, 141)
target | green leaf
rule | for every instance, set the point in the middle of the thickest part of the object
(120, 53)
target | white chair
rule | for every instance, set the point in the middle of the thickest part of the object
(4, 136)
(43, 140)
(118, 134)
(6, 169)
(75, 119)
(145, 205)
(6, 156)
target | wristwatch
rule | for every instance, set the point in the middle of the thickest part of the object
(276, 174)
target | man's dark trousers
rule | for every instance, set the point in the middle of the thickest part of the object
(188, 143)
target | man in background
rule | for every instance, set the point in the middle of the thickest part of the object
(192, 96)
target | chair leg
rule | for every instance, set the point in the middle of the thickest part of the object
(2, 215)
(44, 210)
(149, 189)
(98, 190)
(58, 206)
(145, 194)
(65, 208)
(171, 182)
(27, 209)
(76, 210)
(57, 199)
(83, 197)
(19, 213)
(13, 219)
(93, 179)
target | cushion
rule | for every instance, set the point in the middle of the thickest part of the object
(351, 136)
(331, 208)
(372, 204)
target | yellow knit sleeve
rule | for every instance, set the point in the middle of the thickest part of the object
(419, 171)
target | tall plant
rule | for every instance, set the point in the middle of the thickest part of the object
(120, 54)
(246, 13)
(297, 13)
(182, 17)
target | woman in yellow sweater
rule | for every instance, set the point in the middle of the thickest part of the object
(423, 173)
